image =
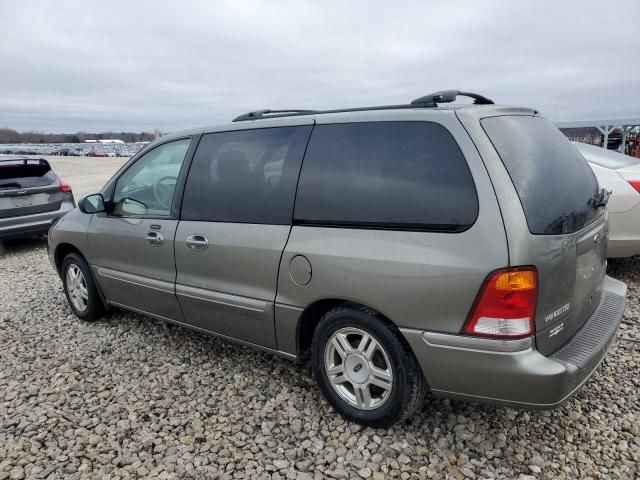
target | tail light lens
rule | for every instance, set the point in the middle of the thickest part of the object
(506, 305)
(65, 187)
(635, 184)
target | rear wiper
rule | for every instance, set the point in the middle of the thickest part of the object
(10, 185)
(601, 198)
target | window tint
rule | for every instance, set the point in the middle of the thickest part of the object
(557, 188)
(386, 174)
(147, 186)
(246, 176)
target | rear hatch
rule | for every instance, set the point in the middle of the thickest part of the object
(28, 186)
(566, 218)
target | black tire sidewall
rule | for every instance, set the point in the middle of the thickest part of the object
(395, 406)
(94, 303)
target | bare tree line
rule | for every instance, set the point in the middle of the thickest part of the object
(8, 135)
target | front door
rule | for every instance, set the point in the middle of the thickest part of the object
(132, 244)
(235, 221)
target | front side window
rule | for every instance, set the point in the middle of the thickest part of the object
(405, 175)
(246, 176)
(148, 186)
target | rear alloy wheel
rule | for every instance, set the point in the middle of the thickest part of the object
(80, 288)
(365, 367)
(358, 368)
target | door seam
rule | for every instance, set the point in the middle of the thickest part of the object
(286, 243)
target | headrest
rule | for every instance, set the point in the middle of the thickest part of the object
(233, 165)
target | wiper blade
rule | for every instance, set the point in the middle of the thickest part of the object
(10, 185)
(601, 198)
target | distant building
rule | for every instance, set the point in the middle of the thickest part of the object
(106, 140)
(621, 135)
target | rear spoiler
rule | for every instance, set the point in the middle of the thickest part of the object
(17, 162)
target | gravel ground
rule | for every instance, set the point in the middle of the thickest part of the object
(131, 397)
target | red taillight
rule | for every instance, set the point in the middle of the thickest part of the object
(635, 184)
(65, 187)
(506, 305)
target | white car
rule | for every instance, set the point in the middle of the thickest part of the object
(620, 174)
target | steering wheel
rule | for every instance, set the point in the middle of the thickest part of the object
(163, 191)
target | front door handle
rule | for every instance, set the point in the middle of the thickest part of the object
(155, 239)
(197, 241)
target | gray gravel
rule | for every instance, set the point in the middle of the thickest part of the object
(131, 397)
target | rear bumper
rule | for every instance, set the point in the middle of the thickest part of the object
(623, 247)
(624, 233)
(36, 224)
(513, 372)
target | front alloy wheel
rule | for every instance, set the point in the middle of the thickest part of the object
(77, 287)
(80, 288)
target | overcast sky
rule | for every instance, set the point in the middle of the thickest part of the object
(67, 66)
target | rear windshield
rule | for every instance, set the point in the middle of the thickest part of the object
(605, 158)
(557, 189)
(23, 173)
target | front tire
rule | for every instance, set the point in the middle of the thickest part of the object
(80, 288)
(365, 368)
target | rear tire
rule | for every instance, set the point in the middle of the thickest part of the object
(365, 368)
(80, 288)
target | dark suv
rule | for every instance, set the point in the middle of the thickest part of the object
(32, 197)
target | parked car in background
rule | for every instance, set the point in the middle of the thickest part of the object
(621, 175)
(97, 153)
(32, 197)
(402, 248)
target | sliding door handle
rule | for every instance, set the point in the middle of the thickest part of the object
(197, 241)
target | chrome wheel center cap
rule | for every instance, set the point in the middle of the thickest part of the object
(356, 368)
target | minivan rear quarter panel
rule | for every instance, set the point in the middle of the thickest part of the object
(396, 272)
(565, 299)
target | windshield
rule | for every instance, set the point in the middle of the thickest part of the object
(605, 158)
(557, 188)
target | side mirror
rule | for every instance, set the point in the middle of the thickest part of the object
(92, 204)
(130, 206)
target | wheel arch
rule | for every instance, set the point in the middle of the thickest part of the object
(311, 315)
(61, 251)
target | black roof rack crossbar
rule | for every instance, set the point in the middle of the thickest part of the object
(447, 96)
(428, 101)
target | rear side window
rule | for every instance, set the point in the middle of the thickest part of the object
(246, 176)
(556, 186)
(25, 173)
(405, 175)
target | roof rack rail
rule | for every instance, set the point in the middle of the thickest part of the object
(281, 113)
(428, 101)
